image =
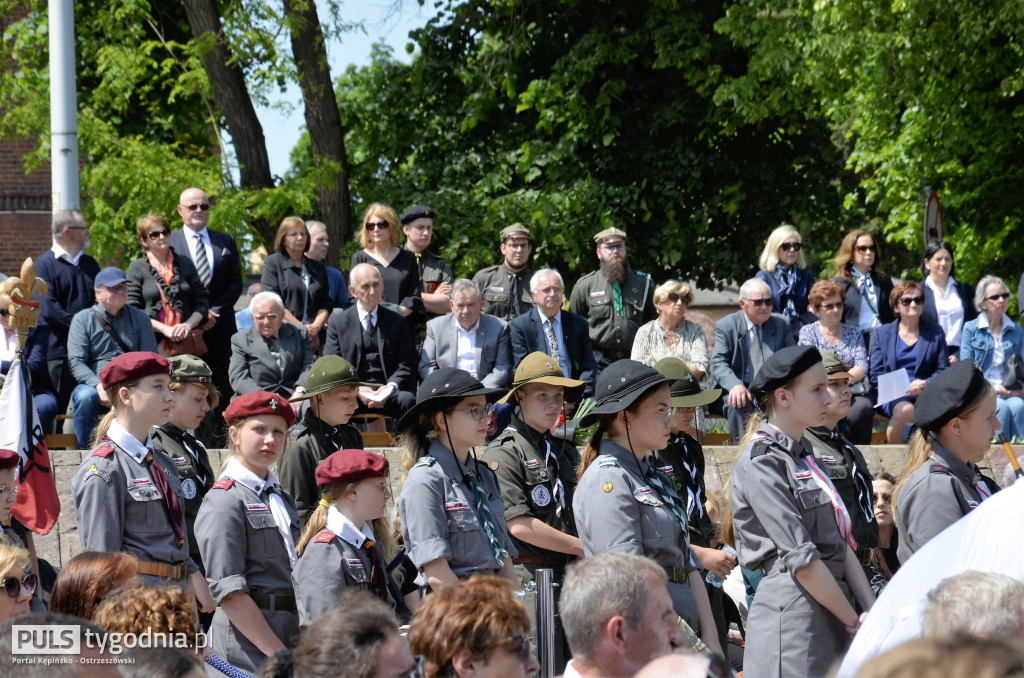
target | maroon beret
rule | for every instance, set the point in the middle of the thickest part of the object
(134, 365)
(346, 466)
(9, 459)
(256, 403)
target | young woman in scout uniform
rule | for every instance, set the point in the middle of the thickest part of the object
(537, 475)
(332, 389)
(623, 503)
(342, 545)
(791, 525)
(247, 528)
(453, 520)
(127, 493)
(956, 420)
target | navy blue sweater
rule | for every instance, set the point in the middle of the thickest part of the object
(70, 290)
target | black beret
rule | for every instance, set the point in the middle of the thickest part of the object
(417, 212)
(782, 367)
(948, 394)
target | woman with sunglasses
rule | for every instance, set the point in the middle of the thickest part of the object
(990, 340)
(398, 268)
(19, 584)
(624, 503)
(908, 343)
(867, 288)
(453, 519)
(792, 527)
(882, 559)
(473, 629)
(782, 267)
(164, 285)
(947, 301)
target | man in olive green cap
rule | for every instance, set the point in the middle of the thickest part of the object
(332, 389)
(615, 300)
(505, 287)
(537, 476)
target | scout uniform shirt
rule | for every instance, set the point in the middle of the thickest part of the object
(682, 461)
(612, 331)
(335, 559)
(936, 495)
(119, 507)
(434, 270)
(247, 529)
(440, 519)
(312, 442)
(496, 283)
(194, 471)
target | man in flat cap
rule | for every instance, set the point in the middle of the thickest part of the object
(506, 286)
(615, 300)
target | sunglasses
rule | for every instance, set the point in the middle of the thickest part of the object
(13, 585)
(673, 298)
(761, 302)
(198, 207)
(478, 412)
(791, 246)
(912, 301)
(520, 645)
(156, 235)
(866, 248)
(377, 225)
(832, 307)
(998, 297)
(260, 317)
(886, 497)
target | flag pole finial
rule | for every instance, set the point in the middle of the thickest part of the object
(23, 297)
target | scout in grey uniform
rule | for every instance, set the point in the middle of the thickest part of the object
(791, 525)
(842, 462)
(247, 528)
(333, 390)
(955, 416)
(505, 287)
(341, 548)
(625, 505)
(127, 493)
(537, 475)
(615, 310)
(453, 520)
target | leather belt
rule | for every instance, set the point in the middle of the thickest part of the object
(274, 603)
(544, 561)
(677, 574)
(176, 572)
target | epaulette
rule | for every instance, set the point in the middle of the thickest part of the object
(297, 431)
(642, 274)
(425, 461)
(325, 537)
(224, 484)
(93, 471)
(103, 451)
(939, 468)
(610, 461)
(760, 448)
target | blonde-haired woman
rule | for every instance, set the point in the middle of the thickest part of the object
(782, 267)
(379, 238)
(18, 584)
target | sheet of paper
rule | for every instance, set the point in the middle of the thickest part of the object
(382, 396)
(892, 385)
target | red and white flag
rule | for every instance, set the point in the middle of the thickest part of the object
(38, 505)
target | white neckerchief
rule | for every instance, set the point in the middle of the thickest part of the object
(135, 448)
(240, 474)
(339, 524)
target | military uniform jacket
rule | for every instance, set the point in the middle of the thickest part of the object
(495, 283)
(683, 454)
(440, 520)
(119, 508)
(195, 474)
(527, 487)
(843, 463)
(594, 299)
(936, 495)
(434, 270)
(312, 441)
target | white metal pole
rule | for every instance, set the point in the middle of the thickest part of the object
(63, 107)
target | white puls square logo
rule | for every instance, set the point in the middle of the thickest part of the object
(46, 639)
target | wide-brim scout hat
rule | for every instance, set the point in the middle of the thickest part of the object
(685, 388)
(445, 388)
(540, 368)
(620, 385)
(946, 396)
(782, 367)
(327, 374)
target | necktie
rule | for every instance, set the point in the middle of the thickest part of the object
(667, 495)
(277, 351)
(552, 463)
(192, 445)
(552, 341)
(378, 582)
(617, 299)
(305, 297)
(842, 516)
(513, 301)
(369, 324)
(159, 476)
(484, 510)
(202, 263)
(756, 351)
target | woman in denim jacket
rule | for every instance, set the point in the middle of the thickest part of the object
(990, 340)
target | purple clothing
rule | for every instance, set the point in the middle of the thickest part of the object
(851, 349)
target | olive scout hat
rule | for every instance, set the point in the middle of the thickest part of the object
(190, 369)
(327, 374)
(782, 367)
(834, 366)
(946, 396)
(685, 388)
(620, 385)
(540, 368)
(445, 388)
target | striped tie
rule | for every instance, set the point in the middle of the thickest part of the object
(202, 263)
(669, 496)
(484, 509)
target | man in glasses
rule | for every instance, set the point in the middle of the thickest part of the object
(216, 259)
(615, 300)
(506, 286)
(743, 341)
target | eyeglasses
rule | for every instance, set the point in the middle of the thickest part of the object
(761, 302)
(520, 645)
(477, 412)
(613, 245)
(9, 491)
(867, 248)
(912, 301)
(998, 297)
(377, 225)
(666, 414)
(886, 497)
(833, 306)
(13, 585)
(517, 244)
(198, 207)
(673, 298)
(791, 246)
(156, 235)
(260, 317)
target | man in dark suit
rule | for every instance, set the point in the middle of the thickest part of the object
(560, 334)
(216, 259)
(468, 339)
(743, 341)
(273, 355)
(378, 342)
